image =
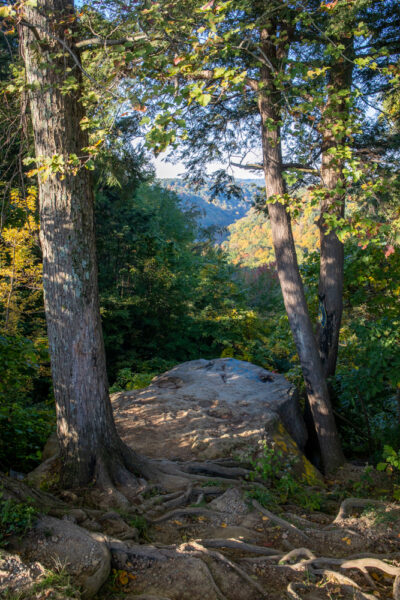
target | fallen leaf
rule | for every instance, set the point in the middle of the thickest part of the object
(177, 522)
(123, 577)
(224, 525)
(347, 540)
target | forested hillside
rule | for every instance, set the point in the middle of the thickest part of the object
(214, 211)
(110, 278)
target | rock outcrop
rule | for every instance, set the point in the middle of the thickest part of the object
(208, 409)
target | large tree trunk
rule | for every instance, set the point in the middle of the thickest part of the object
(288, 270)
(330, 289)
(89, 444)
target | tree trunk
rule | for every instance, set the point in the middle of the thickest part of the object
(89, 444)
(288, 270)
(330, 291)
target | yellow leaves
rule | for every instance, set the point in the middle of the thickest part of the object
(177, 522)
(224, 525)
(19, 265)
(312, 73)
(122, 577)
(5, 11)
(347, 540)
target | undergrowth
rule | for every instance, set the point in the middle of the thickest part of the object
(277, 470)
(16, 518)
(55, 585)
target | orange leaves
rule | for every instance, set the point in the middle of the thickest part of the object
(208, 5)
(347, 540)
(389, 250)
(122, 578)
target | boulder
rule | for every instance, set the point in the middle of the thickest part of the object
(60, 543)
(208, 409)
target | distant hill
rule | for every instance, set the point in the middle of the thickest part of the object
(249, 241)
(243, 232)
(217, 212)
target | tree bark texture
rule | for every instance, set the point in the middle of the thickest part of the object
(288, 269)
(87, 434)
(330, 291)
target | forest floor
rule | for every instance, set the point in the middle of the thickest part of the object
(221, 540)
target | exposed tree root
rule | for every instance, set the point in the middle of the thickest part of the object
(351, 503)
(151, 597)
(346, 583)
(200, 499)
(205, 512)
(213, 468)
(226, 561)
(214, 584)
(178, 484)
(238, 545)
(396, 588)
(171, 501)
(301, 520)
(296, 553)
(281, 522)
(293, 587)
(158, 501)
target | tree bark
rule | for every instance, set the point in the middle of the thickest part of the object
(288, 269)
(89, 444)
(330, 291)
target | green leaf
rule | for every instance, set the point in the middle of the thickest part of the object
(5, 11)
(204, 99)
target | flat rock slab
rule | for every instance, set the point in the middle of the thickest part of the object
(208, 409)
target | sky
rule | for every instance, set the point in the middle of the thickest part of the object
(165, 170)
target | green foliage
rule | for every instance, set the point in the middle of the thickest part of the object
(277, 470)
(365, 486)
(25, 424)
(141, 525)
(166, 296)
(16, 519)
(392, 461)
(367, 375)
(391, 466)
(126, 380)
(55, 585)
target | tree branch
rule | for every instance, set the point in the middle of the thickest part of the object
(248, 167)
(103, 42)
(300, 167)
(285, 167)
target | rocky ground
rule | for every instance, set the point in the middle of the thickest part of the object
(223, 533)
